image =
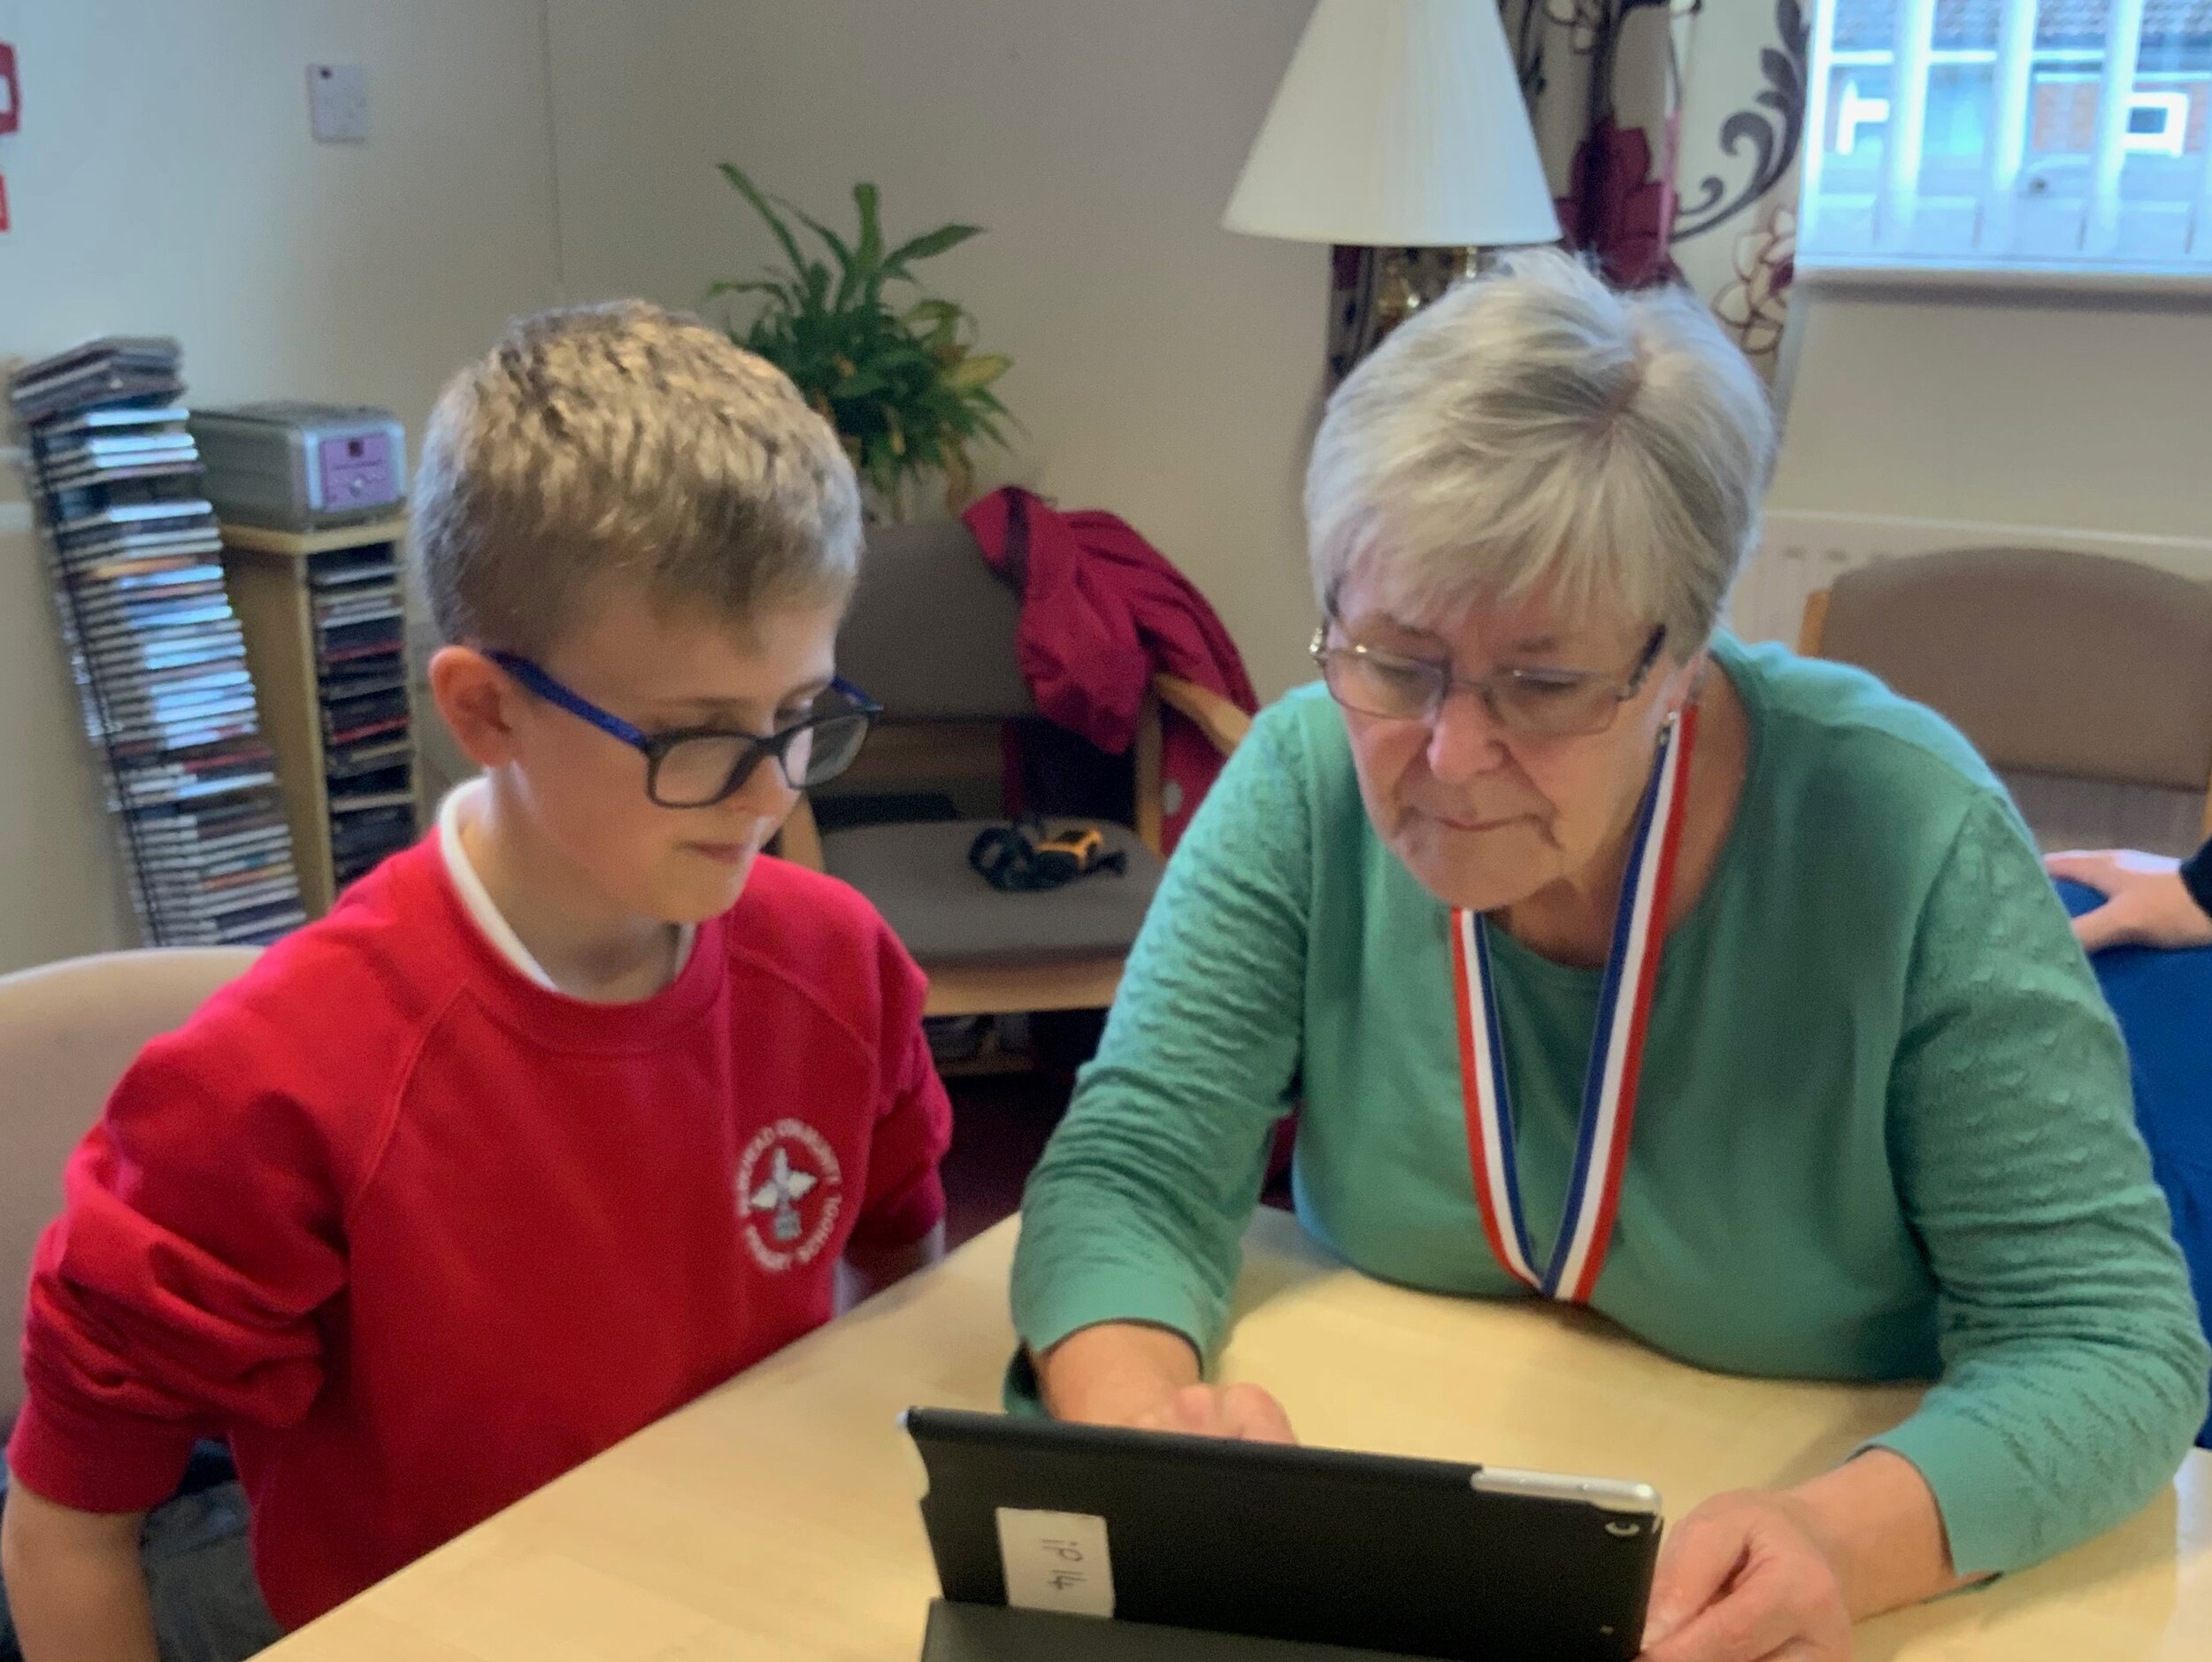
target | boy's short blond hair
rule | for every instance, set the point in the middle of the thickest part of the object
(626, 441)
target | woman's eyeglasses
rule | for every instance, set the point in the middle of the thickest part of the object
(1552, 703)
(696, 767)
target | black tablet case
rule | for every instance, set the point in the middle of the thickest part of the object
(992, 1633)
(1312, 1546)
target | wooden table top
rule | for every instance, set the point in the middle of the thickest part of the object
(775, 1518)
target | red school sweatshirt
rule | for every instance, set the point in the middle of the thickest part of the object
(418, 1235)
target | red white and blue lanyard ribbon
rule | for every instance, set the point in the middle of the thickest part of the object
(1616, 1051)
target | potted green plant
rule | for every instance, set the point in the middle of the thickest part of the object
(902, 383)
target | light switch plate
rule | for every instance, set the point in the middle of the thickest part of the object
(338, 103)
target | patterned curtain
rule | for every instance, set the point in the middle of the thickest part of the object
(1670, 131)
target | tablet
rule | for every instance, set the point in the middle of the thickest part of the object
(1374, 1553)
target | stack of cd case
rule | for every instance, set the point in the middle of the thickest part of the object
(154, 645)
(325, 632)
(361, 686)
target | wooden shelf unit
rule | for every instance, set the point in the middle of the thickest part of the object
(268, 573)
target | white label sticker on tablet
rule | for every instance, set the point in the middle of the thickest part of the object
(1056, 1561)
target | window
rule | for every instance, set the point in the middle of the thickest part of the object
(2049, 134)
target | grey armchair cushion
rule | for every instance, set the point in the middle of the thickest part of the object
(918, 876)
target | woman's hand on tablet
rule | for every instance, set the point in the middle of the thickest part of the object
(1127, 1374)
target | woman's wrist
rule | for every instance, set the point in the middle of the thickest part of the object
(1878, 1521)
(1112, 1373)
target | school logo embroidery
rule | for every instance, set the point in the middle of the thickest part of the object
(789, 1192)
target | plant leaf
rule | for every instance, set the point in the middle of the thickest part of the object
(974, 374)
(751, 192)
(903, 388)
(836, 244)
(869, 251)
(782, 293)
(959, 480)
(849, 273)
(932, 311)
(928, 246)
(941, 336)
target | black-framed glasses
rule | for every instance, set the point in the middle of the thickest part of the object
(696, 767)
(1552, 703)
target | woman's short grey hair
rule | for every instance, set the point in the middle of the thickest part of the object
(626, 441)
(1534, 428)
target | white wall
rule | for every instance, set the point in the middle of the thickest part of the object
(165, 182)
(2083, 412)
(1163, 368)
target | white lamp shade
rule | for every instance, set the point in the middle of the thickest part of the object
(1400, 123)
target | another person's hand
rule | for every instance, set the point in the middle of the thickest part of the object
(1747, 1577)
(2146, 902)
(1129, 1373)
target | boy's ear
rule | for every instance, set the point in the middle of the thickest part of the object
(479, 703)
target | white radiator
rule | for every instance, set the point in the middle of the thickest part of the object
(1800, 553)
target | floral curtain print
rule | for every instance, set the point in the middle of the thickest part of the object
(1604, 97)
(1670, 130)
(1743, 69)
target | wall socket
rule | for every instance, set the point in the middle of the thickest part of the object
(338, 103)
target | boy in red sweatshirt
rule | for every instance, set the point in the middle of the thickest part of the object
(562, 1117)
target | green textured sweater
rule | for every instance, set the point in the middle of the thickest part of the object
(1884, 1129)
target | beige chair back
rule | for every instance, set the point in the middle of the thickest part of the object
(2085, 681)
(930, 635)
(67, 1031)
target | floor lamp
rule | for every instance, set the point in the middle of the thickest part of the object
(1400, 127)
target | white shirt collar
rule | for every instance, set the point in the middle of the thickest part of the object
(467, 798)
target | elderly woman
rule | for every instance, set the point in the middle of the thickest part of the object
(1608, 959)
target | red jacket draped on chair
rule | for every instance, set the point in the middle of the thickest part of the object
(1104, 610)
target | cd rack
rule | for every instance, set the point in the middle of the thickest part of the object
(326, 635)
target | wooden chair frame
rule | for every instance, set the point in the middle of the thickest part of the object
(1079, 983)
